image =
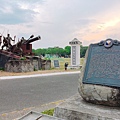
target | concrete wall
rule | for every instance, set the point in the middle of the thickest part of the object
(27, 65)
(35, 64)
(46, 64)
(41, 64)
(19, 66)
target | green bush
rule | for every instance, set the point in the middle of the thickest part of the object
(35, 69)
(23, 58)
(2, 69)
(46, 58)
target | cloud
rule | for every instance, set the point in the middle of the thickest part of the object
(59, 21)
(17, 12)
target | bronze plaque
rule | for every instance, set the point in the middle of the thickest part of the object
(103, 64)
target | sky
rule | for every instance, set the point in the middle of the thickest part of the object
(60, 21)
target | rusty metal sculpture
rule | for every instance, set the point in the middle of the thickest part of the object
(22, 47)
(0, 40)
(17, 48)
(7, 42)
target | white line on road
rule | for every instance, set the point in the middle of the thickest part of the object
(37, 75)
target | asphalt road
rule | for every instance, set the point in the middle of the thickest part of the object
(23, 93)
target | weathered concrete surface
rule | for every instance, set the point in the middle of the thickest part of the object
(75, 108)
(98, 94)
(46, 64)
(37, 116)
(19, 66)
(15, 115)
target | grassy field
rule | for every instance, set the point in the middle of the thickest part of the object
(62, 61)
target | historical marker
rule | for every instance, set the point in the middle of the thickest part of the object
(103, 64)
(56, 63)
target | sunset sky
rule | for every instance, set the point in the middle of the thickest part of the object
(60, 21)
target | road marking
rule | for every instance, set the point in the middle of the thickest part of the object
(38, 75)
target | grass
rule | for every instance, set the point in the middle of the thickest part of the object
(48, 112)
(62, 61)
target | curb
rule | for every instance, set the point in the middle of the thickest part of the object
(38, 75)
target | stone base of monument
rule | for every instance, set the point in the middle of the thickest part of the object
(74, 67)
(75, 108)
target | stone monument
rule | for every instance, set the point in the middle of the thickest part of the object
(75, 53)
(100, 77)
(99, 85)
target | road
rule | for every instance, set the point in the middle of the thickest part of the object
(17, 94)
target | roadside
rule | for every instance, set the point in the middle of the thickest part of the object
(3, 73)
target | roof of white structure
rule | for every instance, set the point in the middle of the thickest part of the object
(75, 41)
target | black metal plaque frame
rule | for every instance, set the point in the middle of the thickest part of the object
(104, 81)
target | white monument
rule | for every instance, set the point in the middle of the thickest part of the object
(75, 53)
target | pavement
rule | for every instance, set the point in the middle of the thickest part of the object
(14, 115)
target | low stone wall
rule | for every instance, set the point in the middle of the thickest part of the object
(46, 64)
(19, 66)
(35, 64)
(27, 65)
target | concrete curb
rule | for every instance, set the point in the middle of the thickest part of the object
(37, 75)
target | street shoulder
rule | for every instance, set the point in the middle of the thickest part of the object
(4, 73)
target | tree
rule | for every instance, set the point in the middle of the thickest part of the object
(59, 51)
(83, 50)
(68, 50)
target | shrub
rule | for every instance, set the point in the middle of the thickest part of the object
(1, 68)
(48, 112)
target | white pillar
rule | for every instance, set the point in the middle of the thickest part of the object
(75, 52)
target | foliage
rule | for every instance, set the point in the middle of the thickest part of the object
(23, 58)
(1, 68)
(33, 50)
(68, 50)
(49, 112)
(83, 50)
(46, 58)
(58, 51)
(35, 69)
